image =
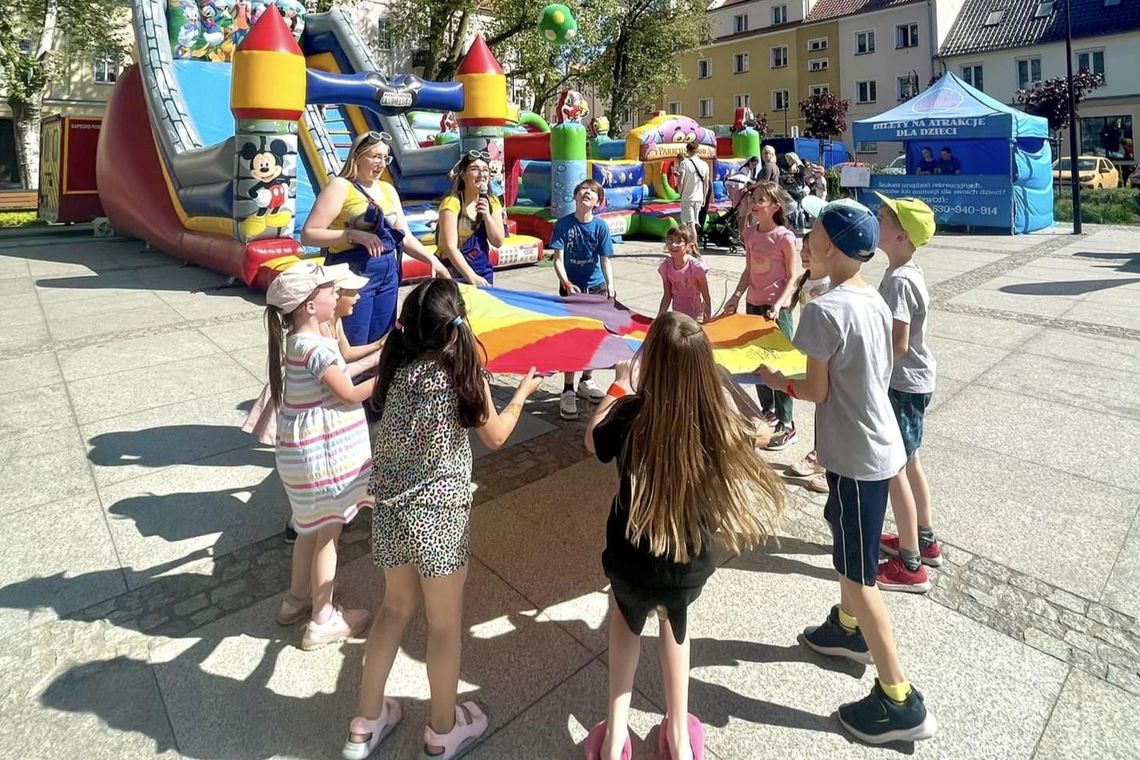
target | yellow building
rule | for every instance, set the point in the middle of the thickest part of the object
(769, 70)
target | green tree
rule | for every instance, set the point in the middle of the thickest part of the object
(642, 41)
(1050, 99)
(36, 37)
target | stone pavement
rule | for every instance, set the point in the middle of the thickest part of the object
(144, 558)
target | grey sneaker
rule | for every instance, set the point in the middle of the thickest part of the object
(588, 390)
(568, 406)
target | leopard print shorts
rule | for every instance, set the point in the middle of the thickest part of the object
(436, 540)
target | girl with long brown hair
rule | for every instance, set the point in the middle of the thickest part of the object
(690, 474)
(431, 389)
(471, 220)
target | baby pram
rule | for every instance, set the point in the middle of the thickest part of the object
(722, 229)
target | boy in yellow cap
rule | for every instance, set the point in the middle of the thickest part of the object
(907, 224)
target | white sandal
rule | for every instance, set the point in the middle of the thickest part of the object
(470, 725)
(375, 729)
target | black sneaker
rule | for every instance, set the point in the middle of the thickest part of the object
(833, 640)
(290, 534)
(878, 719)
(782, 437)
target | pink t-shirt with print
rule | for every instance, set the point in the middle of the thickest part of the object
(683, 283)
(766, 258)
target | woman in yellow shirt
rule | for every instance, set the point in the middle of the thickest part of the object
(470, 220)
(360, 222)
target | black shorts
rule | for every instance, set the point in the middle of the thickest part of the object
(598, 290)
(854, 512)
(637, 604)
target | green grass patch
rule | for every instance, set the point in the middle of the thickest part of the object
(18, 219)
(1099, 206)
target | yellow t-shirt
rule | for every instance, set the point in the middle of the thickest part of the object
(463, 225)
(355, 204)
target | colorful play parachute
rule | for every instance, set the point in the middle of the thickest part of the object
(521, 329)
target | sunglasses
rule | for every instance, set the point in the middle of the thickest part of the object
(372, 137)
(478, 155)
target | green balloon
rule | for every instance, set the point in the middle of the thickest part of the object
(557, 24)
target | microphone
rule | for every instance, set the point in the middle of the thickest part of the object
(483, 190)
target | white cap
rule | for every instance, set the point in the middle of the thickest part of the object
(295, 285)
(344, 278)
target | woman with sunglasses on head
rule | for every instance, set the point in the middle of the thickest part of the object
(359, 220)
(471, 220)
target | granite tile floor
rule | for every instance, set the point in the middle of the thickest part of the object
(145, 560)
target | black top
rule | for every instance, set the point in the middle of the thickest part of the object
(635, 564)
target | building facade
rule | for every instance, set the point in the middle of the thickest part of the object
(1001, 51)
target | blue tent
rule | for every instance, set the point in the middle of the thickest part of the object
(1001, 155)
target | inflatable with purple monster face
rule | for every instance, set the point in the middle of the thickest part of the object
(667, 135)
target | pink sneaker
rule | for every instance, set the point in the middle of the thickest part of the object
(343, 625)
(597, 737)
(893, 576)
(931, 555)
(696, 739)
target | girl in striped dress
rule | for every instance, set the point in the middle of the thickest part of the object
(323, 453)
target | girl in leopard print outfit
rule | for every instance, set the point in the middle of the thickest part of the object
(430, 390)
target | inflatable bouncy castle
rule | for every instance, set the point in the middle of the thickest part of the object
(216, 142)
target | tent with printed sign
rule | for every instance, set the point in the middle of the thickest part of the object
(1002, 155)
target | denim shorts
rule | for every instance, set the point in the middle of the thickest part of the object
(910, 410)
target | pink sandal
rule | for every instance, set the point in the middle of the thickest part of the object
(597, 738)
(376, 729)
(470, 725)
(696, 739)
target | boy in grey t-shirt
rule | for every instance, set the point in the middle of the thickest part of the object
(846, 334)
(906, 224)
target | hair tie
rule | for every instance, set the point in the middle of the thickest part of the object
(458, 320)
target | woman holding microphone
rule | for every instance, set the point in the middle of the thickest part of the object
(470, 220)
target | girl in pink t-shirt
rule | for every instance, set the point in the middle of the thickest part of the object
(769, 278)
(684, 276)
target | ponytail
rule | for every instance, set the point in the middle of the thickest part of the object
(276, 325)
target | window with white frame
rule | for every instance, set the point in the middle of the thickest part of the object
(865, 42)
(906, 88)
(627, 116)
(739, 63)
(740, 23)
(706, 108)
(1091, 61)
(817, 64)
(1028, 72)
(780, 100)
(779, 14)
(866, 92)
(106, 69)
(780, 57)
(675, 108)
(866, 147)
(818, 89)
(972, 75)
(742, 101)
(704, 68)
(819, 43)
(906, 36)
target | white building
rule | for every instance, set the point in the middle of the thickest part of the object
(1002, 50)
(887, 51)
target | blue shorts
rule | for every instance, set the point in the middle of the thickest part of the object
(910, 410)
(854, 512)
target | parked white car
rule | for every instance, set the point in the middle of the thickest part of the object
(897, 166)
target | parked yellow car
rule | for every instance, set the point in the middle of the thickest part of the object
(1093, 172)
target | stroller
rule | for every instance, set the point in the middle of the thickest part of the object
(722, 229)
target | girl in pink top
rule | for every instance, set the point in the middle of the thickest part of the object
(769, 278)
(684, 276)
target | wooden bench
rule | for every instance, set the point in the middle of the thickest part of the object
(19, 200)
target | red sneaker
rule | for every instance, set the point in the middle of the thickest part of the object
(931, 555)
(893, 576)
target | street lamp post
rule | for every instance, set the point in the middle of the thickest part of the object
(1074, 185)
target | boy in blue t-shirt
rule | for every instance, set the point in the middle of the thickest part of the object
(582, 252)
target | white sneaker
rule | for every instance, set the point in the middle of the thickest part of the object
(589, 391)
(568, 406)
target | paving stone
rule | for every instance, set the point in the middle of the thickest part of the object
(1046, 643)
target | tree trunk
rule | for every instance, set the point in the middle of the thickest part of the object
(26, 120)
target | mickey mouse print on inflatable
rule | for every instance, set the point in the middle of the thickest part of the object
(266, 159)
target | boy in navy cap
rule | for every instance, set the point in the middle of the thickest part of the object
(846, 334)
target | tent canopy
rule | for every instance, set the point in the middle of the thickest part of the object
(950, 110)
